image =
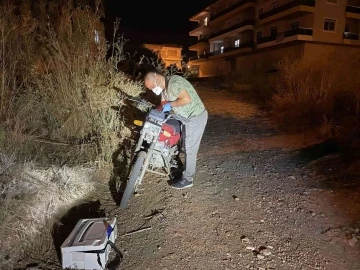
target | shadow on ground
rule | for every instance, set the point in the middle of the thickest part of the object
(62, 229)
(334, 163)
(122, 157)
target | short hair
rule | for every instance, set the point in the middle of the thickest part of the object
(151, 73)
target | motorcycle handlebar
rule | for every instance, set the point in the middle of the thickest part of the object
(142, 102)
(150, 105)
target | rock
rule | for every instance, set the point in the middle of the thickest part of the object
(250, 248)
(352, 241)
(266, 252)
(235, 198)
(244, 239)
(260, 256)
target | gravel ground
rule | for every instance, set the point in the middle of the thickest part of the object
(261, 200)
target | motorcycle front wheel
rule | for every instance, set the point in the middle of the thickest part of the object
(133, 178)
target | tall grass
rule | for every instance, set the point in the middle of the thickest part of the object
(56, 83)
(58, 91)
(325, 91)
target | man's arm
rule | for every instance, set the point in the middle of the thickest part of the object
(182, 99)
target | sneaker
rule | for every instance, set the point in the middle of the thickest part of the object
(181, 184)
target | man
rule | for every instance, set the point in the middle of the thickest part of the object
(179, 95)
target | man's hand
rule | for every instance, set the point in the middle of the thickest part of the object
(166, 107)
(160, 107)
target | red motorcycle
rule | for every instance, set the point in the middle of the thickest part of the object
(157, 150)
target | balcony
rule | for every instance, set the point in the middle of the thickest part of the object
(351, 38)
(298, 31)
(233, 30)
(202, 40)
(243, 3)
(199, 44)
(298, 34)
(353, 12)
(198, 57)
(288, 10)
(199, 29)
(245, 47)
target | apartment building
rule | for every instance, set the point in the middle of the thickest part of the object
(255, 35)
(169, 53)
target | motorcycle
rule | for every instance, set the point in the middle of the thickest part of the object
(157, 150)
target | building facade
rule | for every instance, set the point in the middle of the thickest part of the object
(169, 53)
(255, 35)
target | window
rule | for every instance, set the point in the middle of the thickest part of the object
(260, 11)
(171, 53)
(258, 36)
(229, 44)
(206, 21)
(275, 4)
(329, 25)
(97, 37)
(237, 43)
(333, 2)
(273, 31)
(347, 28)
(294, 25)
(222, 49)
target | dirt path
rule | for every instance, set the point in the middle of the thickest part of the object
(255, 189)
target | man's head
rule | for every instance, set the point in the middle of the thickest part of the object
(155, 82)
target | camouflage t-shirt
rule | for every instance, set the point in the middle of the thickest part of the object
(176, 84)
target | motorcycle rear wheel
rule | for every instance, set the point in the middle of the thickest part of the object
(133, 179)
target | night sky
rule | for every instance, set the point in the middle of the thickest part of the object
(156, 21)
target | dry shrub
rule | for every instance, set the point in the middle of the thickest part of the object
(30, 196)
(57, 84)
(311, 93)
(256, 88)
(57, 97)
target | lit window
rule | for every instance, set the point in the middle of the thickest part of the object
(329, 25)
(222, 49)
(97, 37)
(206, 21)
(237, 43)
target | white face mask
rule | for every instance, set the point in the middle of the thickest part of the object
(157, 90)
